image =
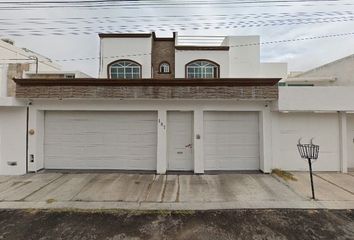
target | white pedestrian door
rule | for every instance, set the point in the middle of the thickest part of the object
(180, 141)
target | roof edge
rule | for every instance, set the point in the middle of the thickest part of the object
(203, 48)
(147, 82)
(124, 35)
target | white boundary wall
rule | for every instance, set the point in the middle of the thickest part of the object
(12, 140)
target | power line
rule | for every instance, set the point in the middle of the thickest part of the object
(159, 3)
(335, 35)
(269, 3)
(237, 15)
(89, 30)
(153, 2)
(74, 20)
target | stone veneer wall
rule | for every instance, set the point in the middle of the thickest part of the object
(163, 51)
(14, 70)
(150, 92)
(47, 76)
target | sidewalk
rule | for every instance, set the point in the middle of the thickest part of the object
(175, 192)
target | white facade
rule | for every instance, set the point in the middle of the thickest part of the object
(136, 49)
(177, 135)
(12, 140)
(191, 117)
(242, 60)
(193, 135)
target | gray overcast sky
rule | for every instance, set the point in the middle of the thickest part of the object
(76, 28)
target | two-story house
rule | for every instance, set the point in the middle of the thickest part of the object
(159, 104)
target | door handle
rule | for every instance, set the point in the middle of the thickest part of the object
(188, 146)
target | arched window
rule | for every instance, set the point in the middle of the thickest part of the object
(202, 69)
(124, 69)
(164, 67)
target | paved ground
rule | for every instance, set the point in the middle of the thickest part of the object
(196, 192)
(232, 224)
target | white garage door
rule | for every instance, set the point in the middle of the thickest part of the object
(323, 127)
(231, 141)
(100, 140)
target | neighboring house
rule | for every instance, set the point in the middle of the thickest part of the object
(317, 103)
(14, 61)
(336, 73)
(160, 104)
(18, 62)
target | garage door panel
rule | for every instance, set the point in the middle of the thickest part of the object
(232, 149)
(229, 127)
(101, 140)
(231, 141)
(323, 127)
(232, 164)
(229, 116)
(227, 138)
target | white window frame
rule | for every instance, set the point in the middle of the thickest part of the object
(202, 69)
(125, 69)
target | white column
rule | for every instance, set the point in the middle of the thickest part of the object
(343, 144)
(3, 80)
(276, 159)
(265, 142)
(161, 142)
(198, 141)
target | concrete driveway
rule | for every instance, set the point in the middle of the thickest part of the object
(174, 192)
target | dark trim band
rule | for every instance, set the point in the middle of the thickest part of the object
(124, 35)
(148, 82)
(203, 48)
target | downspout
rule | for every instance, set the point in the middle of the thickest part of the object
(27, 120)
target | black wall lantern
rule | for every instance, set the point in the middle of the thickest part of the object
(309, 152)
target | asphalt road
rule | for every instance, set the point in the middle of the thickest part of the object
(227, 224)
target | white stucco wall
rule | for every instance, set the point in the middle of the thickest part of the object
(244, 58)
(241, 61)
(336, 98)
(272, 70)
(12, 140)
(136, 49)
